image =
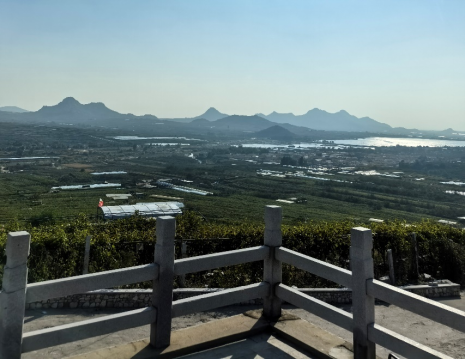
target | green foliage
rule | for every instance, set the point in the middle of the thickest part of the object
(58, 250)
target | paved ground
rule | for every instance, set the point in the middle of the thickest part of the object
(262, 346)
(439, 337)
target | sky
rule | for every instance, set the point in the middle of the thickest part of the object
(399, 62)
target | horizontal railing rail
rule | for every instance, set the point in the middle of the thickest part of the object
(320, 308)
(80, 284)
(220, 299)
(378, 334)
(430, 309)
(57, 335)
(221, 259)
(402, 345)
(314, 266)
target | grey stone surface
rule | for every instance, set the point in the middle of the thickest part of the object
(272, 267)
(262, 346)
(219, 299)
(425, 307)
(63, 334)
(315, 306)
(13, 278)
(162, 297)
(315, 266)
(81, 284)
(13, 295)
(363, 304)
(227, 258)
(17, 248)
(402, 345)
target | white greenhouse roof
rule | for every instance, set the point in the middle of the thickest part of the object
(153, 209)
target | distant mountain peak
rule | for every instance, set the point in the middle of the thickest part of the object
(275, 132)
(211, 114)
(69, 100)
(212, 110)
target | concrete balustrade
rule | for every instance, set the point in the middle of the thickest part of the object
(221, 259)
(402, 345)
(13, 296)
(363, 305)
(433, 310)
(364, 288)
(272, 267)
(219, 299)
(162, 297)
(57, 335)
(320, 268)
(325, 311)
(80, 284)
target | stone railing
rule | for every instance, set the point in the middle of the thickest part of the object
(137, 298)
(16, 293)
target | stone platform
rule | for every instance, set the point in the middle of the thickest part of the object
(246, 335)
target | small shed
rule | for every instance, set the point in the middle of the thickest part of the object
(153, 209)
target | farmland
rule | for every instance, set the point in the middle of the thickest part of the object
(318, 183)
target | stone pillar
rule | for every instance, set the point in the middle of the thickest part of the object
(13, 296)
(363, 306)
(272, 268)
(392, 275)
(85, 268)
(162, 297)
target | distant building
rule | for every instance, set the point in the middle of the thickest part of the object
(150, 210)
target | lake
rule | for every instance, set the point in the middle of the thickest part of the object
(366, 142)
(411, 142)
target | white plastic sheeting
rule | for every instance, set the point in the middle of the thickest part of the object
(153, 209)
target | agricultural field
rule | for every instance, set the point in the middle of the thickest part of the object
(316, 184)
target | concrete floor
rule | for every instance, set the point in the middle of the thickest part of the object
(427, 332)
(262, 346)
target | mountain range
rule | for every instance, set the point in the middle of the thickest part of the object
(71, 111)
(315, 119)
(13, 109)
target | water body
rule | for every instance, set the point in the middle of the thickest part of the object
(411, 142)
(370, 142)
(31, 158)
(155, 138)
(300, 146)
(166, 144)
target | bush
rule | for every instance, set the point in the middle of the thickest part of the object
(58, 250)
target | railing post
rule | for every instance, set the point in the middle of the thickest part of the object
(272, 268)
(162, 297)
(85, 268)
(363, 306)
(13, 296)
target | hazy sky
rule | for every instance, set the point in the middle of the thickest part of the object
(400, 62)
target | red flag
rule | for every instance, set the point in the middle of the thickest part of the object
(100, 203)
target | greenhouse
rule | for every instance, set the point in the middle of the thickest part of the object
(153, 209)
